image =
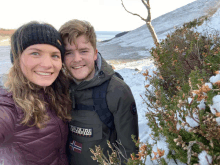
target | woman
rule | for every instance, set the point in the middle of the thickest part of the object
(35, 104)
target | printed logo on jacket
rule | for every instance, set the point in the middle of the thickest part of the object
(85, 132)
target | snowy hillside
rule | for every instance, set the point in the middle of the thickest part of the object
(134, 45)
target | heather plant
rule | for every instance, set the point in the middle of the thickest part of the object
(181, 52)
(189, 120)
(183, 99)
(116, 154)
(183, 96)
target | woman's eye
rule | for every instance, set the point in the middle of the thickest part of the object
(35, 53)
(56, 56)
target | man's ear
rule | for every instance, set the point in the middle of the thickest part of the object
(96, 54)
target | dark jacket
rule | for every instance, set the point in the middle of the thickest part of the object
(24, 145)
(87, 130)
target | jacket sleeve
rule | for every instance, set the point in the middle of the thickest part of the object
(125, 116)
(7, 119)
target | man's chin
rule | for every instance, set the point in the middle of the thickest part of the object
(81, 78)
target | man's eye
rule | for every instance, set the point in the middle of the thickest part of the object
(84, 51)
(67, 53)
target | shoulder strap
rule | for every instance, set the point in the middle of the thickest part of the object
(100, 105)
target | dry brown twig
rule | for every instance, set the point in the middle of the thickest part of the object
(147, 20)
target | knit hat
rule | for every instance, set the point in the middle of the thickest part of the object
(35, 33)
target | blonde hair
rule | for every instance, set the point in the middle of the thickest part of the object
(30, 97)
(75, 28)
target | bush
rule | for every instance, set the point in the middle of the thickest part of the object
(181, 52)
(183, 107)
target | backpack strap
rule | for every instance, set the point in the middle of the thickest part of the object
(100, 105)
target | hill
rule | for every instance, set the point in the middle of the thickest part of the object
(5, 35)
(136, 43)
(6, 32)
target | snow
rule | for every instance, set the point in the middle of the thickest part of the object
(193, 122)
(216, 104)
(204, 158)
(212, 25)
(201, 105)
(215, 78)
(216, 99)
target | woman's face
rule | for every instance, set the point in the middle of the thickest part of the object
(41, 64)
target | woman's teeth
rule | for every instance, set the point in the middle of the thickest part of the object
(44, 74)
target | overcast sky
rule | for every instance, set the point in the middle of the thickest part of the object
(104, 15)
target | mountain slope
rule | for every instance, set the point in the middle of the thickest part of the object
(135, 44)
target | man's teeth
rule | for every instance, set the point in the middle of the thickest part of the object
(77, 67)
(44, 74)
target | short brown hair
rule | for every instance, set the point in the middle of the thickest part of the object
(75, 28)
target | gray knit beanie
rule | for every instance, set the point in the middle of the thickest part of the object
(36, 33)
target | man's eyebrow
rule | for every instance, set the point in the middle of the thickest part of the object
(85, 48)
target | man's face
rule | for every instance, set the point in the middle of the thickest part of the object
(80, 59)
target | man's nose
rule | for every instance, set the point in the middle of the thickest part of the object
(77, 57)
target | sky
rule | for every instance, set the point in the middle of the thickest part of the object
(104, 15)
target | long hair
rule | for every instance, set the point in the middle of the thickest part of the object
(30, 97)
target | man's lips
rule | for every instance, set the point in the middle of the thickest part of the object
(78, 67)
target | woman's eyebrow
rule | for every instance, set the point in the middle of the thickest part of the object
(35, 49)
(42, 50)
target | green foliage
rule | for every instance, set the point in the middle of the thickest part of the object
(195, 22)
(182, 52)
(185, 60)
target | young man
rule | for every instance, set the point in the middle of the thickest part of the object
(103, 105)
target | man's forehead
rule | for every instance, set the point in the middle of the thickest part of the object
(68, 41)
